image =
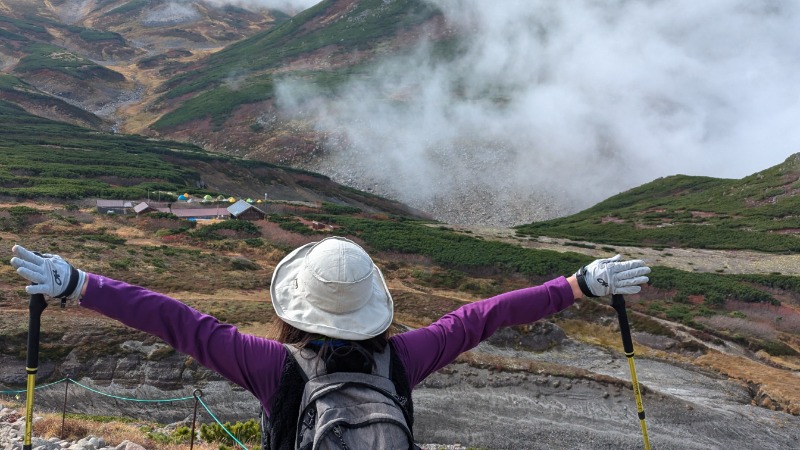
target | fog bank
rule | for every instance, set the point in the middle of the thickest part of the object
(550, 107)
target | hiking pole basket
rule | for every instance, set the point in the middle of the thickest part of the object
(618, 303)
(36, 306)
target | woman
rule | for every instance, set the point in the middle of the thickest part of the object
(332, 299)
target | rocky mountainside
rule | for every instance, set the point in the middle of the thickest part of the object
(199, 62)
(102, 57)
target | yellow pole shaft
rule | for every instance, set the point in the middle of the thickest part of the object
(638, 395)
(29, 407)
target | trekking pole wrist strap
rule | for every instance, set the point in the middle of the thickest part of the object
(74, 277)
(581, 277)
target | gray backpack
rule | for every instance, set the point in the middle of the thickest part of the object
(346, 410)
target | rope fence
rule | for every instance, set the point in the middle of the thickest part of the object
(196, 396)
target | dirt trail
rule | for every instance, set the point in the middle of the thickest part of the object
(689, 259)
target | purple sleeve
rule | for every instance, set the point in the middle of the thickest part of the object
(251, 362)
(426, 350)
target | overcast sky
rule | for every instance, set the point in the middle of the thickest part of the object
(577, 99)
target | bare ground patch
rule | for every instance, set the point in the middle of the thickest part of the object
(692, 260)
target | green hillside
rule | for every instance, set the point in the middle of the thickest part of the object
(758, 212)
(339, 28)
(22, 30)
(50, 57)
(17, 91)
(41, 157)
(44, 158)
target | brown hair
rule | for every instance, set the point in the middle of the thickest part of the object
(351, 356)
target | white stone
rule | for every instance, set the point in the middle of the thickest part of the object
(128, 445)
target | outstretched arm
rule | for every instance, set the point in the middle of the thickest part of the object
(425, 350)
(251, 362)
(243, 359)
(428, 349)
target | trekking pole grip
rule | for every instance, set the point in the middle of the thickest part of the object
(36, 306)
(618, 303)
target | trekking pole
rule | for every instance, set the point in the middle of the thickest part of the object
(618, 303)
(36, 306)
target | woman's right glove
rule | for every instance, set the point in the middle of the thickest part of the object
(611, 276)
(49, 274)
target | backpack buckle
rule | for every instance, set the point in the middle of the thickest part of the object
(308, 420)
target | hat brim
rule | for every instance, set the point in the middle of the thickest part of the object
(288, 299)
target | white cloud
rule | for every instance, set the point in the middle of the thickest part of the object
(170, 13)
(574, 101)
(291, 6)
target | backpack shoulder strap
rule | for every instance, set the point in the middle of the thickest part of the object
(383, 363)
(308, 361)
(281, 423)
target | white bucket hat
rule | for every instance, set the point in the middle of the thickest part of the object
(333, 288)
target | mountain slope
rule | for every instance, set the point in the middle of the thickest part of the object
(58, 60)
(188, 70)
(195, 72)
(44, 158)
(757, 212)
(106, 57)
(234, 89)
(339, 28)
(34, 101)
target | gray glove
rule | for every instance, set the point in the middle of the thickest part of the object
(49, 274)
(611, 276)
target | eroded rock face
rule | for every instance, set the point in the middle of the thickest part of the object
(489, 409)
(140, 371)
(687, 408)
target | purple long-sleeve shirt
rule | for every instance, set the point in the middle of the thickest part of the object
(256, 363)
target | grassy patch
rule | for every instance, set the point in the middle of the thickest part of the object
(49, 57)
(694, 212)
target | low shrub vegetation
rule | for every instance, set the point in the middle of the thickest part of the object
(247, 433)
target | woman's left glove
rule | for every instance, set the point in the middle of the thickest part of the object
(611, 276)
(49, 274)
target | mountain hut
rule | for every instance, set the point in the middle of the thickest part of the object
(245, 211)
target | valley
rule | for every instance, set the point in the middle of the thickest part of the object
(416, 129)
